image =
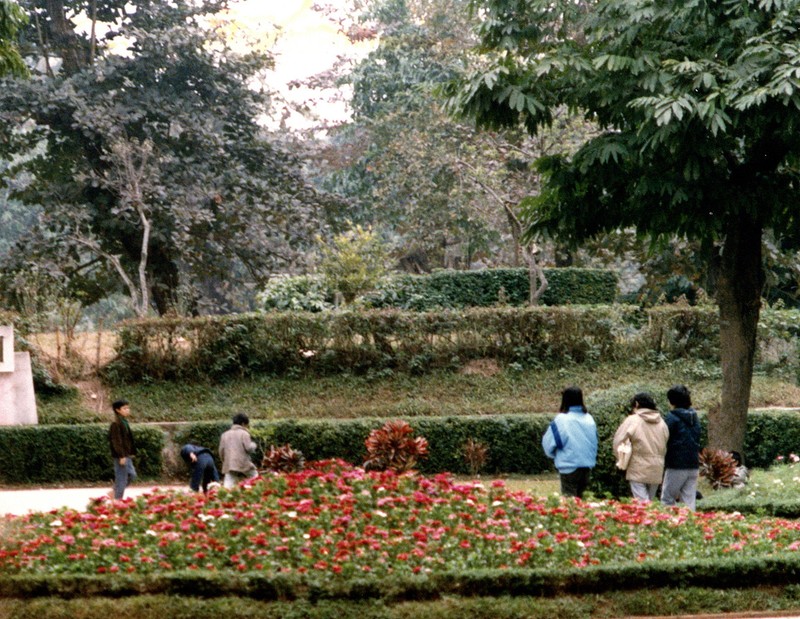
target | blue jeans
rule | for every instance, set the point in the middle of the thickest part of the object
(204, 471)
(124, 474)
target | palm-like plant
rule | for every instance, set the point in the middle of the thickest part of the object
(393, 447)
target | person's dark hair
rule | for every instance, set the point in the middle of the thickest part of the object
(571, 396)
(118, 404)
(240, 419)
(644, 400)
(679, 396)
(736, 457)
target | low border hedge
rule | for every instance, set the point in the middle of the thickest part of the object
(722, 573)
(513, 442)
(63, 453)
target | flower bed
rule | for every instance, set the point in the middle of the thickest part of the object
(337, 520)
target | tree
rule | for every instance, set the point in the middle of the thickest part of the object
(699, 103)
(354, 263)
(442, 191)
(221, 205)
(12, 19)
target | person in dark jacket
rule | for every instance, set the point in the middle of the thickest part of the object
(682, 461)
(201, 464)
(120, 439)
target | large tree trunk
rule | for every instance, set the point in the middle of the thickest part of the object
(739, 298)
(63, 40)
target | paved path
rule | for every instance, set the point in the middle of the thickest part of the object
(18, 502)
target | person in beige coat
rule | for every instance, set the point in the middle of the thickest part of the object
(235, 447)
(648, 434)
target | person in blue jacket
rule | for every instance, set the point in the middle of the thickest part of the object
(571, 440)
(202, 466)
(682, 462)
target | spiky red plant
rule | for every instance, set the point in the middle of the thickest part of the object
(718, 467)
(283, 459)
(393, 447)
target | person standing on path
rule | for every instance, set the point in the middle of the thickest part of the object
(123, 448)
(648, 434)
(571, 440)
(202, 467)
(682, 461)
(235, 447)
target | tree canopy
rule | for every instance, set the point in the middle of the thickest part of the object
(699, 106)
(12, 20)
(437, 188)
(144, 148)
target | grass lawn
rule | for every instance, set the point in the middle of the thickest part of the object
(484, 392)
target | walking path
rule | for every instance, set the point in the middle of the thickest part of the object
(19, 502)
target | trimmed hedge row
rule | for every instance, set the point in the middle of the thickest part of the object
(513, 442)
(721, 573)
(60, 453)
(487, 287)
(282, 343)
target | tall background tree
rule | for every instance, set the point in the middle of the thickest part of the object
(699, 107)
(12, 20)
(443, 193)
(217, 206)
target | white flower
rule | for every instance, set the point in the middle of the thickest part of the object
(56, 523)
(496, 503)
(291, 514)
(151, 532)
(205, 517)
(378, 512)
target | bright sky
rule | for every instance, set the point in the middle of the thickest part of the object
(308, 44)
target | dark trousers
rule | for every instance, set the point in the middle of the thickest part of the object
(203, 471)
(575, 483)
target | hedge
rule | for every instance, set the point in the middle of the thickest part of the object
(62, 453)
(513, 443)
(721, 573)
(281, 343)
(288, 343)
(487, 287)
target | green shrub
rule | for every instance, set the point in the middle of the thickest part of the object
(307, 293)
(364, 341)
(45, 454)
(459, 289)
